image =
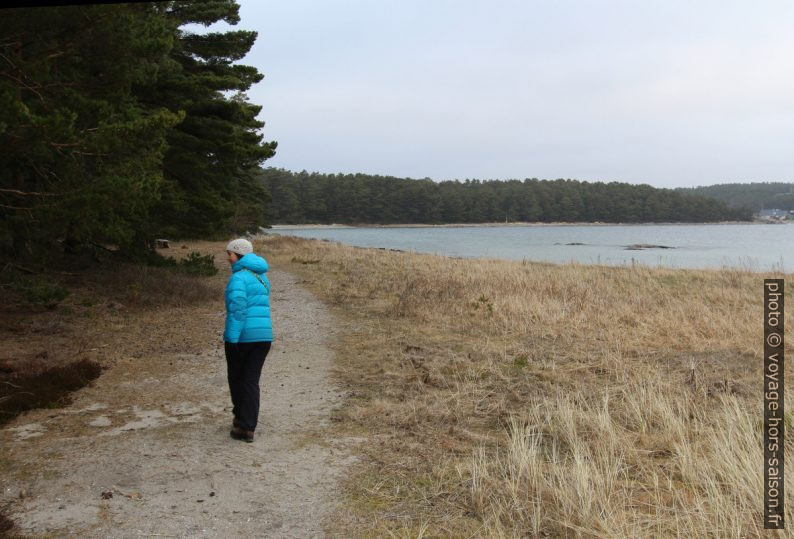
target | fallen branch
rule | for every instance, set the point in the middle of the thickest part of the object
(29, 193)
(34, 272)
(6, 206)
(130, 495)
(20, 268)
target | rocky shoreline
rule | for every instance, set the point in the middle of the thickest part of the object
(497, 225)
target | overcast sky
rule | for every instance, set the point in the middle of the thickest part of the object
(670, 93)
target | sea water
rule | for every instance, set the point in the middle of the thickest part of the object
(758, 247)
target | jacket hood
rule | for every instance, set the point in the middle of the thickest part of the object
(251, 262)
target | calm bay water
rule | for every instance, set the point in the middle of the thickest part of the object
(759, 247)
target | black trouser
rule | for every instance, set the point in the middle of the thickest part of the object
(244, 365)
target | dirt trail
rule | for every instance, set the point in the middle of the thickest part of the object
(153, 430)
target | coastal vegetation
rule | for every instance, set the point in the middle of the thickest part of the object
(517, 399)
(303, 197)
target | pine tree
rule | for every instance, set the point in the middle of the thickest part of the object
(115, 124)
(213, 155)
(81, 156)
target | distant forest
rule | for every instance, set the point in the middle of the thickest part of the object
(755, 196)
(360, 198)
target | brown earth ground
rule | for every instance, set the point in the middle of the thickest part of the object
(145, 449)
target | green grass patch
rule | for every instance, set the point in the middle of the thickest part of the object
(38, 290)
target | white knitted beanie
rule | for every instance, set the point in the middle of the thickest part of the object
(241, 246)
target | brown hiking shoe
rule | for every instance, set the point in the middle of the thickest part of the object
(239, 434)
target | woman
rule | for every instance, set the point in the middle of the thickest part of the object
(248, 334)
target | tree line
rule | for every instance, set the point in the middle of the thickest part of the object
(305, 197)
(754, 196)
(118, 125)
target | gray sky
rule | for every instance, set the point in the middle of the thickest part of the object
(670, 93)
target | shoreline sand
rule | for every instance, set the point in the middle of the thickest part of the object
(500, 225)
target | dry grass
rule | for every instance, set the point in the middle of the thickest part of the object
(141, 286)
(512, 399)
(47, 348)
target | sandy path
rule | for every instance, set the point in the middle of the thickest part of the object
(153, 430)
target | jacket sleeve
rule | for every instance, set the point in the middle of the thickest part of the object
(236, 304)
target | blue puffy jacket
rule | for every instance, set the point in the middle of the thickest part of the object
(248, 302)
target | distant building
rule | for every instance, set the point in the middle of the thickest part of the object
(775, 214)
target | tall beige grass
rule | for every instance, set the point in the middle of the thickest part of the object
(514, 399)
